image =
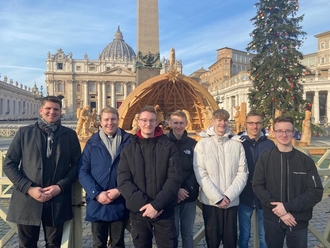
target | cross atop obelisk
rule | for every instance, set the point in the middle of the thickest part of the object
(148, 62)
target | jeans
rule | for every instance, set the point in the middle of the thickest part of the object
(185, 215)
(244, 219)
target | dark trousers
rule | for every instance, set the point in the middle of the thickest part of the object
(28, 236)
(102, 229)
(220, 225)
(294, 237)
(164, 229)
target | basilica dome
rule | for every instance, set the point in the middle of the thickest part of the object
(118, 49)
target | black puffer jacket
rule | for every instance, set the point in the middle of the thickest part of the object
(303, 184)
(186, 147)
(150, 172)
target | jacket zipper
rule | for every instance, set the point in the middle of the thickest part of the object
(313, 177)
(281, 194)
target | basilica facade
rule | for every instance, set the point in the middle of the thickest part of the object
(98, 83)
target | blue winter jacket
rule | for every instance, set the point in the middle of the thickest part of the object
(253, 149)
(98, 172)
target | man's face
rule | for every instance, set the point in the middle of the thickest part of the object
(178, 125)
(50, 112)
(147, 123)
(109, 123)
(220, 126)
(253, 126)
(283, 132)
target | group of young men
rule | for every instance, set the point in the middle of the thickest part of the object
(153, 180)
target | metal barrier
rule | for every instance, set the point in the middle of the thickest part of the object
(72, 233)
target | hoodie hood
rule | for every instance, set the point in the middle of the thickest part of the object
(158, 132)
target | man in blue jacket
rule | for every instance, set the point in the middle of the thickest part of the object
(98, 176)
(254, 143)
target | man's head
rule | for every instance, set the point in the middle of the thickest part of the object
(109, 120)
(147, 121)
(220, 121)
(50, 109)
(178, 123)
(253, 124)
(284, 130)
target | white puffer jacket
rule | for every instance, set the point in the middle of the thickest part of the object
(220, 167)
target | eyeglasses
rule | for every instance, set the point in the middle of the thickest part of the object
(287, 132)
(254, 123)
(151, 121)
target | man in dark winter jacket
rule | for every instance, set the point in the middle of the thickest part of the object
(186, 210)
(149, 177)
(42, 163)
(254, 143)
(98, 175)
(288, 185)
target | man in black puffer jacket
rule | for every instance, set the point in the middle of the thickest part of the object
(149, 178)
(186, 210)
(288, 185)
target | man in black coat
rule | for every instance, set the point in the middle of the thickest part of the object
(288, 185)
(186, 210)
(42, 162)
(149, 178)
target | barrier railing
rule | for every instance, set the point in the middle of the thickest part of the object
(72, 233)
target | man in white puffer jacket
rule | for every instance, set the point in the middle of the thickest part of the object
(221, 170)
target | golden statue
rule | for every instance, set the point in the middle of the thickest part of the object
(135, 126)
(207, 117)
(306, 133)
(160, 115)
(189, 121)
(83, 123)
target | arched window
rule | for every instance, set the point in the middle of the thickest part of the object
(78, 87)
(59, 87)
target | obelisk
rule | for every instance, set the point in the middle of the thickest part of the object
(148, 61)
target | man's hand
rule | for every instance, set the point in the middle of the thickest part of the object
(150, 212)
(182, 194)
(224, 203)
(52, 190)
(113, 194)
(288, 220)
(38, 194)
(103, 198)
(279, 210)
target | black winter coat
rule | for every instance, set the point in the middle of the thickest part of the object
(149, 171)
(186, 146)
(253, 149)
(303, 184)
(24, 167)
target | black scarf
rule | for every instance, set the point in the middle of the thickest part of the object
(49, 128)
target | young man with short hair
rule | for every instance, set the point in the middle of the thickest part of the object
(98, 167)
(288, 185)
(42, 162)
(255, 143)
(149, 178)
(221, 171)
(185, 211)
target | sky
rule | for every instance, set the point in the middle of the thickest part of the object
(195, 28)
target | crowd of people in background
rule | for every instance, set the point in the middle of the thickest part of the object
(151, 181)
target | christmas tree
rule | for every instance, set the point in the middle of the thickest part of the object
(275, 70)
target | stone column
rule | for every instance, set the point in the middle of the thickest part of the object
(85, 94)
(316, 107)
(105, 95)
(99, 96)
(328, 106)
(113, 95)
(68, 101)
(125, 89)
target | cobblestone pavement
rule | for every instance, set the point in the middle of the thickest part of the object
(321, 216)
